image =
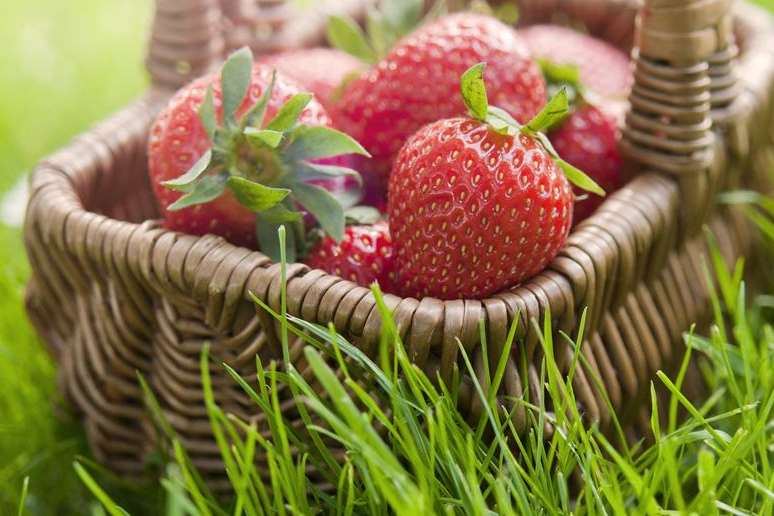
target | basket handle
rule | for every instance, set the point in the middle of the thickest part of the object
(670, 126)
(186, 40)
(191, 37)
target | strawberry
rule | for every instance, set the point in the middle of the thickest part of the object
(603, 68)
(321, 71)
(364, 256)
(479, 204)
(216, 167)
(588, 139)
(417, 83)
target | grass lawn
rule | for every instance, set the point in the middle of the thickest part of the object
(65, 66)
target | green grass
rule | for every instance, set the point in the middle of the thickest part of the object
(429, 459)
(69, 64)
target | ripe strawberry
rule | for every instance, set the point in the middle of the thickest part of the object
(477, 205)
(217, 168)
(603, 68)
(365, 255)
(589, 140)
(417, 84)
(322, 71)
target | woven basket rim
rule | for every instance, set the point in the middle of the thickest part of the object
(748, 14)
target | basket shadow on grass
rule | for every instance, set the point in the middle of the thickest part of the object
(386, 438)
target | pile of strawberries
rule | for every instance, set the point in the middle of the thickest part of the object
(436, 161)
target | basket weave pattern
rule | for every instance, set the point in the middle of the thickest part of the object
(112, 293)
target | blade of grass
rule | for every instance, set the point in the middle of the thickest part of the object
(110, 506)
(23, 496)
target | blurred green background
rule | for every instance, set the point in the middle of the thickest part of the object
(65, 65)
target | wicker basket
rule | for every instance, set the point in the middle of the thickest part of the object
(112, 293)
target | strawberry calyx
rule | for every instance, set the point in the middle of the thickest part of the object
(394, 19)
(363, 216)
(384, 27)
(268, 166)
(474, 95)
(506, 12)
(566, 76)
(360, 215)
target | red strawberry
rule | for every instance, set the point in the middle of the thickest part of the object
(589, 140)
(365, 255)
(418, 82)
(474, 211)
(178, 139)
(320, 70)
(603, 68)
(233, 175)
(478, 205)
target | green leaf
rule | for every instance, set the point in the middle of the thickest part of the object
(269, 243)
(561, 73)
(554, 111)
(567, 76)
(255, 196)
(579, 178)
(748, 197)
(474, 91)
(501, 121)
(508, 13)
(402, 16)
(323, 206)
(185, 182)
(254, 117)
(346, 35)
(207, 114)
(205, 190)
(23, 496)
(481, 7)
(281, 214)
(363, 215)
(265, 136)
(235, 80)
(110, 506)
(287, 116)
(705, 469)
(574, 175)
(314, 142)
(438, 9)
(348, 198)
(305, 171)
(378, 32)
